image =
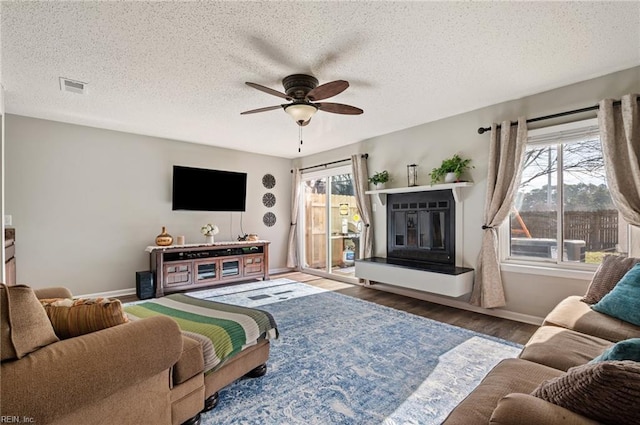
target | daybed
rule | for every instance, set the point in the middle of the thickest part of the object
(555, 379)
(144, 371)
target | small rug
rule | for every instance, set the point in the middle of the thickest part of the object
(257, 294)
(342, 360)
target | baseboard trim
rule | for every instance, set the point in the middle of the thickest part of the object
(109, 294)
(462, 305)
(132, 291)
(281, 270)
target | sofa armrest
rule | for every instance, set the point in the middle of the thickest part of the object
(54, 292)
(525, 409)
(67, 375)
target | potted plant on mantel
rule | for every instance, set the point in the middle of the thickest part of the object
(450, 170)
(379, 179)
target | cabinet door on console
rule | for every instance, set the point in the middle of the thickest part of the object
(231, 267)
(253, 264)
(177, 273)
(206, 270)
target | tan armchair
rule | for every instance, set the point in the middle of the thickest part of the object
(121, 374)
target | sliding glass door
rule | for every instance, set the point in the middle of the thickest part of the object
(331, 223)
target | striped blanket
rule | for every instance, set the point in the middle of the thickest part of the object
(223, 329)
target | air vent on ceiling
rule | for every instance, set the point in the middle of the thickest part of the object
(72, 86)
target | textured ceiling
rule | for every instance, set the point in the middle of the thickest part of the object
(177, 69)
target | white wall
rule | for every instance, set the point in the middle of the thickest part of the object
(86, 202)
(428, 144)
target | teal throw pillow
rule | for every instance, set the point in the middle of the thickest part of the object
(623, 302)
(629, 349)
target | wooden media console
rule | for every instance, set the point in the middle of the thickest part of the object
(186, 267)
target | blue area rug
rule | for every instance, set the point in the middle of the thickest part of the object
(341, 360)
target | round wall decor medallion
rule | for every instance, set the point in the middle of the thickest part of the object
(268, 181)
(269, 219)
(268, 199)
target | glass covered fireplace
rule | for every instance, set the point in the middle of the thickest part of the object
(421, 227)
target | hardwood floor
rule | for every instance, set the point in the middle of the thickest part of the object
(501, 328)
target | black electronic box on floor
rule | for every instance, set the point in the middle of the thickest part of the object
(145, 288)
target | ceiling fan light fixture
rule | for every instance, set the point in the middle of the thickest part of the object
(301, 112)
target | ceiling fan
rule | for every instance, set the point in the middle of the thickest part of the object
(303, 91)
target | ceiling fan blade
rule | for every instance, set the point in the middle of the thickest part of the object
(327, 90)
(268, 108)
(339, 108)
(268, 90)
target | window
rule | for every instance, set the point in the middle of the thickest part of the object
(563, 212)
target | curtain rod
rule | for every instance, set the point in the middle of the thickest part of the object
(481, 130)
(364, 155)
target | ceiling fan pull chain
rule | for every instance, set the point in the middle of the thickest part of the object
(300, 136)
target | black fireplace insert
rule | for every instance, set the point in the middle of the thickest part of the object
(421, 226)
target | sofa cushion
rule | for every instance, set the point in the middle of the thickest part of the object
(607, 391)
(562, 348)
(628, 349)
(608, 274)
(508, 376)
(525, 409)
(571, 313)
(191, 361)
(77, 317)
(24, 323)
(623, 300)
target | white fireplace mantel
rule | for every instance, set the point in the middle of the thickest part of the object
(448, 284)
(456, 188)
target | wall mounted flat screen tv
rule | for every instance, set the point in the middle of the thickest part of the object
(199, 189)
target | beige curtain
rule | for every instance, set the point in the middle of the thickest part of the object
(620, 138)
(361, 183)
(292, 253)
(506, 154)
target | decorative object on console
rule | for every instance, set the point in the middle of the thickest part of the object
(164, 239)
(209, 230)
(269, 219)
(180, 240)
(379, 179)
(252, 237)
(269, 199)
(412, 175)
(268, 181)
(454, 165)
